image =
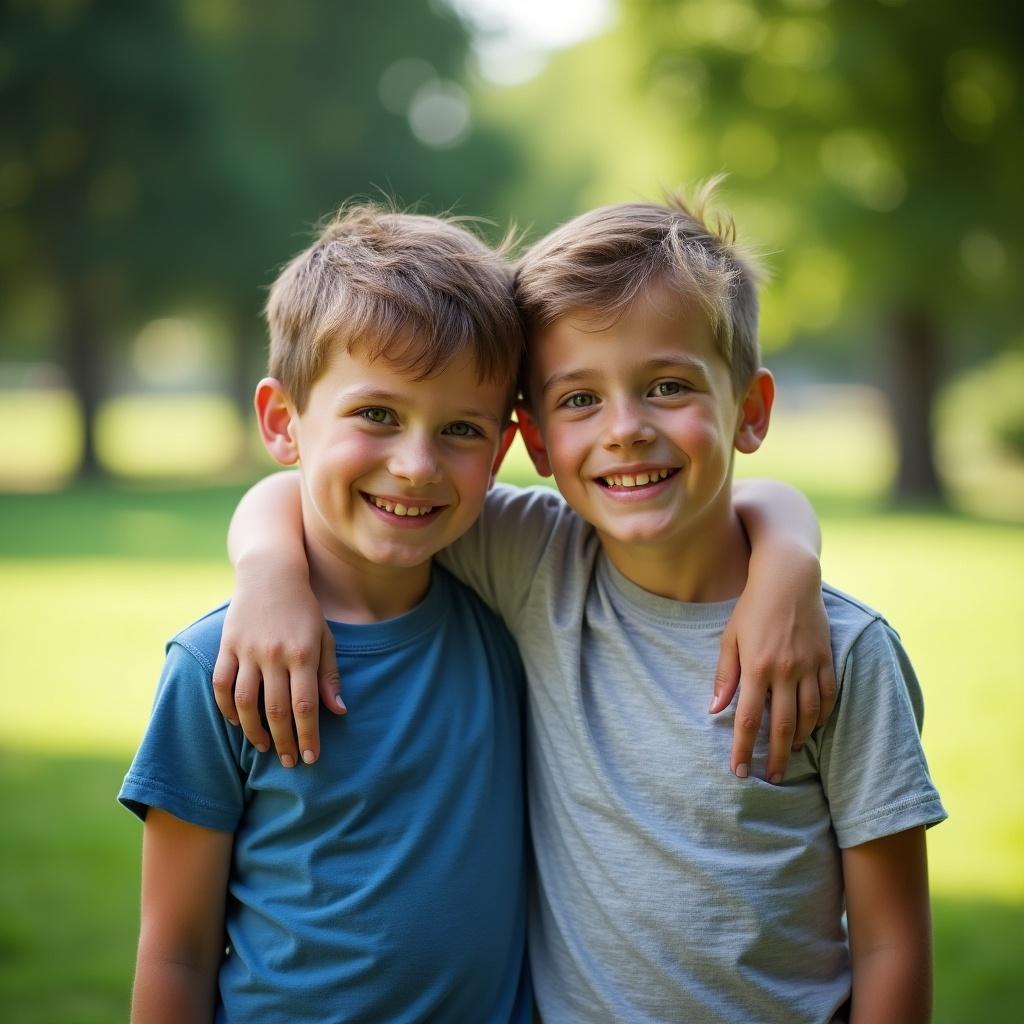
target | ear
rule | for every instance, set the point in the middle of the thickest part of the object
(276, 416)
(530, 433)
(755, 413)
(508, 435)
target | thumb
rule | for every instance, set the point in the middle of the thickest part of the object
(328, 681)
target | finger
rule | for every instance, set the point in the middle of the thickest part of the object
(782, 728)
(727, 675)
(828, 691)
(247, 704)
(277, 703)
(808, 709)
(749, 712)
(306, 710)
(328, 679)
(224, 672)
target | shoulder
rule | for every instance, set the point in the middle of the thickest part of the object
(854, 624)
(467, 611)
(201, 638)
(534, 520)
(870, 660)
(466, 608)
(538, 503)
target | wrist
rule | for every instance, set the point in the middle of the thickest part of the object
(789, 554)
(271, 562)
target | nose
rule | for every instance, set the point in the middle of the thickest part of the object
(414, 459)
(627, 426)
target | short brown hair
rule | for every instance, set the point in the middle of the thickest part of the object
(601, 261)
(417, 290)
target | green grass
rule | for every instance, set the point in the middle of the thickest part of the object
(94, 579)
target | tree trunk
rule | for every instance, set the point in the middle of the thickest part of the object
(915, 352)
(83, 364)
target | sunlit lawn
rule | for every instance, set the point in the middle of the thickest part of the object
(93, 581)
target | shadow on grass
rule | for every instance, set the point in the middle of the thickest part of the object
(69, 890)
(111, 520)
(69, 906)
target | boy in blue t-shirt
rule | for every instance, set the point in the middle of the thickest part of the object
(387, 881)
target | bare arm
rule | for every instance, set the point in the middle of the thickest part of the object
(778, 637)
(890, 929)
(274, 631)
(181, 943)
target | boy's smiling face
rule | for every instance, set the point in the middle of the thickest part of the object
(638, 420)
(393, 469)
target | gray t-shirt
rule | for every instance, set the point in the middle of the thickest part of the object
(667, 889)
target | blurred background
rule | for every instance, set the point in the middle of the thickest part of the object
(159, 161)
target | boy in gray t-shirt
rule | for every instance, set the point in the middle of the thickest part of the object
(667, 888)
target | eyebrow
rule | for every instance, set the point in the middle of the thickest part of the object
(694, 367)
(372, 394)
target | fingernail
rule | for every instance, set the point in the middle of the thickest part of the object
(340, 702)
(797, 747)
(233, 721)
(308, 756)
(742, 771)
(775, 779)
(262, 747)
(714, 701)
(288, 761)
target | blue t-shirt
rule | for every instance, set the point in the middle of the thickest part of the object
(386, 882)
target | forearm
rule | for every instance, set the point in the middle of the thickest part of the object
(892, 984)
(889, 919)
(268, 524)
(777, 518)
(181, 942)
(169, 990)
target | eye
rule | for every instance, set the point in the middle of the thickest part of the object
(378, 414)
(460, 428)
(579, 400)
(668, 388)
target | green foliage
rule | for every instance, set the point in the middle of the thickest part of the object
(161, 152)
(883, 136)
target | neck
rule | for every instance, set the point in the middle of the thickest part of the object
(353, 590)
(707, 564)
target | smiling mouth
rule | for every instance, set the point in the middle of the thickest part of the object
(397, 508)
(633, 480)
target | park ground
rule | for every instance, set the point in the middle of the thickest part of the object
(94, 578)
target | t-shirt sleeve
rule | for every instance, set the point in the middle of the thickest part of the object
(500, 554)
(188, 762)
(872, 764)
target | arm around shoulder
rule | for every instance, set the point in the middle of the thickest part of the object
(274, 633)
(778, 637)
(890, 929)
(181, 942)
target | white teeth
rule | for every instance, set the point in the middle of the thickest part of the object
(399, 509)
(639, 480)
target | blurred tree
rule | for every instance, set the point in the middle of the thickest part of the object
(102, 112)
(882, 141)
(152, 153)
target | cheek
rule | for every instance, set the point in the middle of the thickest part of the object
(471, 471)
(568, 445)
(341, 460)
(698, 433)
